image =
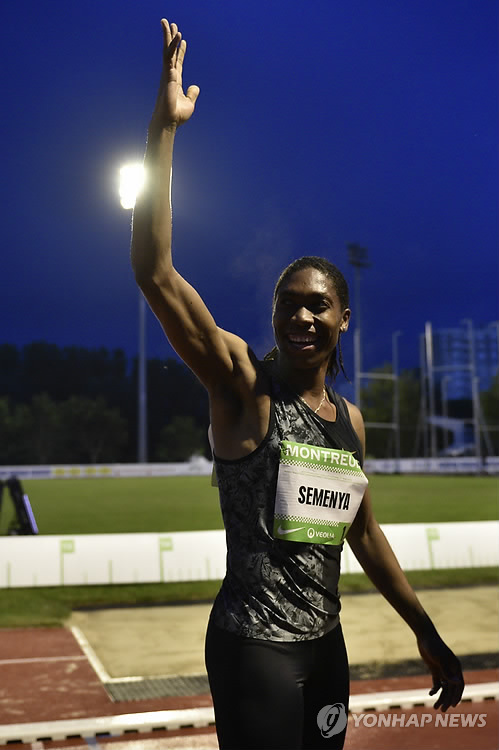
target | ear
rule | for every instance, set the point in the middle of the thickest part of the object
(345, 320)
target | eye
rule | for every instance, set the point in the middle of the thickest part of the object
(284, 302)
(319, 307)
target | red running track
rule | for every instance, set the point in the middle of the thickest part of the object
(45, 677)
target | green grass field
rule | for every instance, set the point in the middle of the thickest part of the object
(87, 506)
(93, 506)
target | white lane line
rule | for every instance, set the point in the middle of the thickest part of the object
(111, 725)
(90, 654)
(387, 699)
(42, 659)
(203, 717)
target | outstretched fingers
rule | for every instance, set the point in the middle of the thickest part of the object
(179, 59)
(192, 92)
(165, 28)
(172, 103)
(171, 42)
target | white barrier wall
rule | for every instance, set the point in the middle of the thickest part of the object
(200, 555)
(111, 558)
(422, 546)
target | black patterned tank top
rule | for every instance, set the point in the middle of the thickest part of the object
(274, 589)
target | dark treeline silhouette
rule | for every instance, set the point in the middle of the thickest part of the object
(72, 404)
(77, 405)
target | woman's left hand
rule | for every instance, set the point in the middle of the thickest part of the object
(445, 669)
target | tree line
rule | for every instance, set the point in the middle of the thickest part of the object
(78, 405)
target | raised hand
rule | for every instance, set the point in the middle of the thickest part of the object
(445, 669)
(173, 107)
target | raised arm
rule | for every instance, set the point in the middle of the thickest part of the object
(189, 326)
(372, 550)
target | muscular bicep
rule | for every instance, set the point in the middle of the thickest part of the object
(215, 356)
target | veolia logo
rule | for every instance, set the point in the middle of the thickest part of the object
(312, 533)
(332, 719)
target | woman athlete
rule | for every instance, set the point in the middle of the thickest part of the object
(288, 454)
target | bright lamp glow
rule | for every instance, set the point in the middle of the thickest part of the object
(131, 182)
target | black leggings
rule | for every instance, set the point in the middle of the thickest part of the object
(267, 694)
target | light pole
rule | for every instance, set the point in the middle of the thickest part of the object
(396, 396)
(475, 390)
(357, 257)
(142, 385)
(431, 388)
(131, 181)
(445, 406)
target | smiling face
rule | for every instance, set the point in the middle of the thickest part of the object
(308, 318)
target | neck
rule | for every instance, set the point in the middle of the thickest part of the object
(309, 381)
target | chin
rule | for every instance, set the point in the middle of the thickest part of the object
(305, 360)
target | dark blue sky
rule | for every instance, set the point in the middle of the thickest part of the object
(319, 123)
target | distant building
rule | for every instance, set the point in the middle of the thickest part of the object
(459, 353)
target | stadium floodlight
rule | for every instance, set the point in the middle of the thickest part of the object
(358, 258)
(131, 183)
(132, 178)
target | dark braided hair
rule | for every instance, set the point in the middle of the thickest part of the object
(334, 274)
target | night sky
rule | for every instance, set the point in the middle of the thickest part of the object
(319, 123)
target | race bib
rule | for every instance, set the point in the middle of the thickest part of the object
(319, 491)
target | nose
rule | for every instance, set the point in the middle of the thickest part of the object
(303, 316)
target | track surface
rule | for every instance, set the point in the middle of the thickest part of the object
(46, 677)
